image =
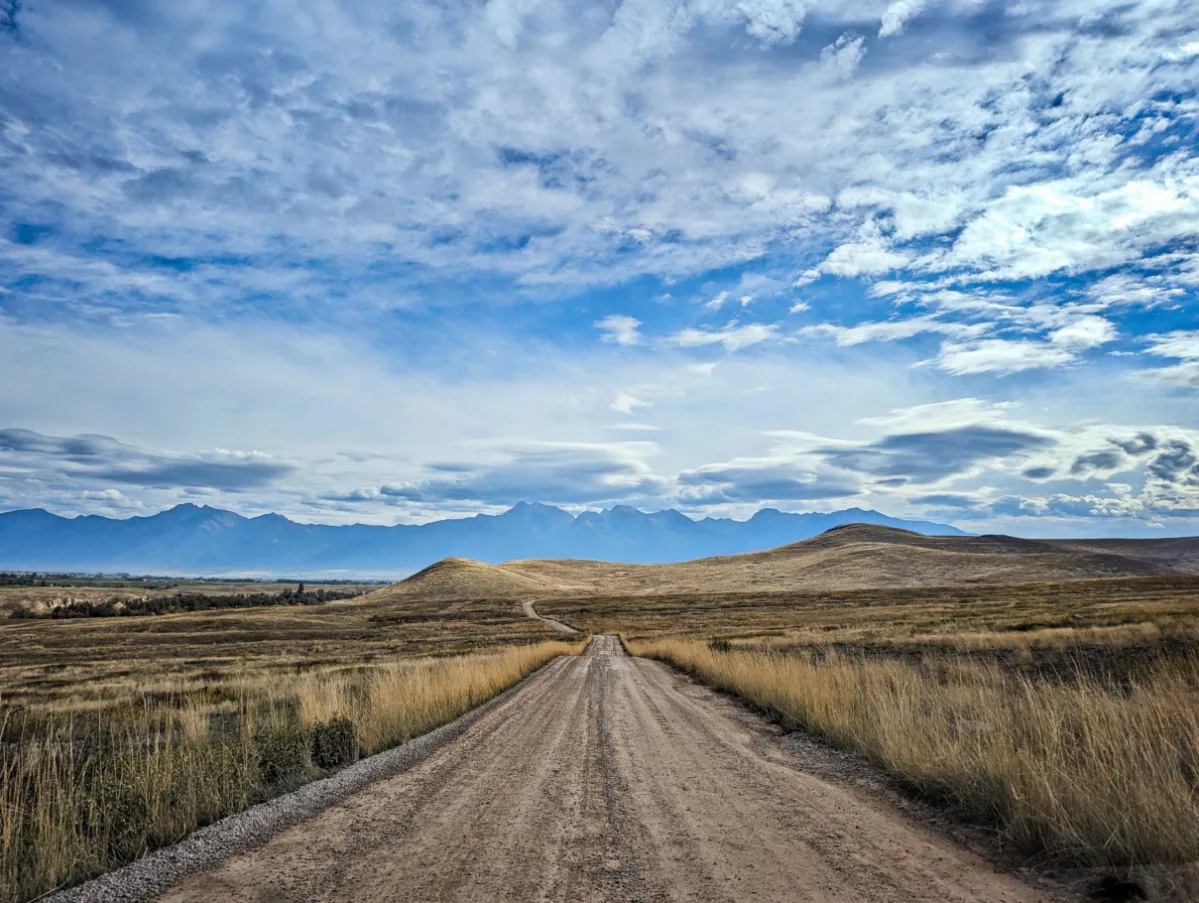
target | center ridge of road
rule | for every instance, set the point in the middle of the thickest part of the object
(604, 778)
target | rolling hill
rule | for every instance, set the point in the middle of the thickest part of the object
(854, 556)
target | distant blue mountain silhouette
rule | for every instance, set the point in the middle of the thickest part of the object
(188, 539)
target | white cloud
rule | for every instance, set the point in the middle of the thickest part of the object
(732, 337)
(869, 255)
(1087, 331)
(1183, 346)
(619, 329)
(898, 14)
(1001, 356)
(773, 21)
(636, 427)
(891, 330)
(717, 302)
(1067, 226)
(624, 403)
(841, 58)
(941, 415)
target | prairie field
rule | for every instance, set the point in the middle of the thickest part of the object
(121, 734)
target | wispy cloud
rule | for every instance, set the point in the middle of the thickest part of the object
(733, 337)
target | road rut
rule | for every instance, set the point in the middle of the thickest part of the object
(608, 778)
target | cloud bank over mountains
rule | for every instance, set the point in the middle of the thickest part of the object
(394, 262)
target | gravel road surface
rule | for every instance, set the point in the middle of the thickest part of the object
(608, 778)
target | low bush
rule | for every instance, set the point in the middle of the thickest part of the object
(334, 743)
(283, 753)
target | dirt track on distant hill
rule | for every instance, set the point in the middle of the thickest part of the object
(608, 778)
(557, 625)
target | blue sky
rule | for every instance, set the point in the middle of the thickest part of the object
(392, 262)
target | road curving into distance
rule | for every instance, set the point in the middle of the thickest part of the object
(608, 778)
(529, 610)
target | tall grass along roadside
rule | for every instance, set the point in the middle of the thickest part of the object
(1089, 771)
(83, 791)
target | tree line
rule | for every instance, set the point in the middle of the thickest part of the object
(184, 602)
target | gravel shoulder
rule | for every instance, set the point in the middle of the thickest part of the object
(608, 778)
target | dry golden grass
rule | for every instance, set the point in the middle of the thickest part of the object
(62, 663)
(462, 578)
(862, 556)
(83, 791)
(856, 556)
(1090, 771)
(1165, 604)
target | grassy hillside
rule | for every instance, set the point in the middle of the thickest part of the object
(856, 556)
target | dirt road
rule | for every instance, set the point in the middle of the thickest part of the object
(557, 625)
(608, 778)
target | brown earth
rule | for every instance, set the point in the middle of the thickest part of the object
(856, 556)
(610, 778)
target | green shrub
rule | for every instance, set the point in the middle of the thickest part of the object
(282, 753)
(334, 743)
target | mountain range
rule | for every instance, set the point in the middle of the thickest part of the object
(199, 540)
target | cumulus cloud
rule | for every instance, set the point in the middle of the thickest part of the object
(869, 255)
(1068, 226)
(897, 15)
(619, 329)
(1070, 334)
